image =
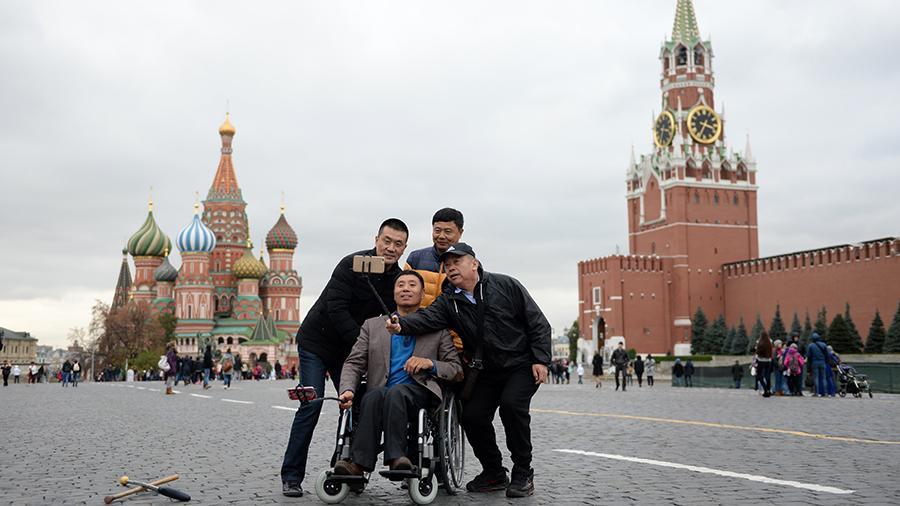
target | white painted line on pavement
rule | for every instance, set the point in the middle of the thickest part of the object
(176, 391)
(141, 388)
(719, 472)
(154, 389)
(202, 396)
(130, 386)
(237, 402)
(285, 408)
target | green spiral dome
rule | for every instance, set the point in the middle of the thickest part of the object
(149, 240)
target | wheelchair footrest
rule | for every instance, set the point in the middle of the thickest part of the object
(399, 475)
(346, 478)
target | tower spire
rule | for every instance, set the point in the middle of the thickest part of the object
(685, 28)
(225, 186)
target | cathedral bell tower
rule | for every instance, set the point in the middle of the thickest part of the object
(691, 199)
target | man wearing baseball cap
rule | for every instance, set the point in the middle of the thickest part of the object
(506, 341)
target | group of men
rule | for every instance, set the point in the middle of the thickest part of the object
(449, 322)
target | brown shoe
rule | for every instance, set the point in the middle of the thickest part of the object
(401, 464)
(169, 391)
(347, 468)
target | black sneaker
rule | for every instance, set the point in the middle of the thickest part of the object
(291, 489)
(522, 484)
(489, 481)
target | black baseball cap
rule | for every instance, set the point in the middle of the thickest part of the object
(458, 249)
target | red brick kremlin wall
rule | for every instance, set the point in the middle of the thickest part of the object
(867, 276)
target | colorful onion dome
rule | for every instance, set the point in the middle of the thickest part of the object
(165, 271)
(282, 236)
(149, 240)
(196, 237)
(248, 267)
(227, 128)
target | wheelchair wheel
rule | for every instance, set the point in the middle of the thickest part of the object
(328, 491)
(423, 491)
(452, 445)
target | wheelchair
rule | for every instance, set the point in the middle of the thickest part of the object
(436, 448)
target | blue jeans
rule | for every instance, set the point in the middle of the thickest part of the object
(780, 384)
(737, 383)
(829, 381)
(65, 378)
(312, 373)
(819, 372)
(206, 377)
(227, 377)
(677, 381)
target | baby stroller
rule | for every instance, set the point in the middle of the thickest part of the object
(852, 382)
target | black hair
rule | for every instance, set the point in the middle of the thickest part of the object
(448, 214)
(394, 223)
(410, 272)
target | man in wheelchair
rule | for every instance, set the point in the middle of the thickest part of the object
(402, 373)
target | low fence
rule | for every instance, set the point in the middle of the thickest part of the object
(883, 377)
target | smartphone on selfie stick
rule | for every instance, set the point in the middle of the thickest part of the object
(368, 264)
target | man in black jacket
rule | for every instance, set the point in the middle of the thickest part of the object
(506, 341)
(329, 331)
(620, 360)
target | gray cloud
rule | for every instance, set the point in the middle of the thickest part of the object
(521, 114)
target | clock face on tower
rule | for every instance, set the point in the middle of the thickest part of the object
(704, 124)
(664, 129)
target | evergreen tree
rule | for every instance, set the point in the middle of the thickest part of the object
(716, 335)
(741, 340)
(573, 334)
(699, 324)
(757, 331)
(796, 328)
(776, 329)
(821, 327)
(892, 341)
(851, 327)
(807, 332)
(839, 336)
(729, 341)
(875, 340)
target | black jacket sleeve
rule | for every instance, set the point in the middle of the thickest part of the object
(537, 328)
(338, 296)
(431, 319)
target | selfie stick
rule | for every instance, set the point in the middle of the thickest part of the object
(374, 291)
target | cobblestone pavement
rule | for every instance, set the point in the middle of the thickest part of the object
(68, 446)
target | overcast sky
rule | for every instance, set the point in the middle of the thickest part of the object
(521, 114)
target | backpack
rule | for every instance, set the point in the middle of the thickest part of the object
(163, 364)
(794, 364)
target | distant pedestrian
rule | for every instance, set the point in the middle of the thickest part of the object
(40, 374)
(172, 360)
(817, 357)
(32, 373)
(278, 370)
(66, 373)
(737, 374)
(678, 373)
(597, 364)
(795, 339)
(629, 373)
(793, 370)
(580, 372)
(6, 370)
(237, 367)
(207, 366)
(16, 372)
(76, 373)
(831, 374)
(567, 371)
(651, 366)
(639, 370)
(778, 367)
(764, 353)
(619, 360)
(689, 373)
(227, 367)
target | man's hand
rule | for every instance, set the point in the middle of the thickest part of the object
(346, 399)
(417, 364)
(540, 373)
(393, 325)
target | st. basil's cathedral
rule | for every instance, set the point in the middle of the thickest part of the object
(222, 294)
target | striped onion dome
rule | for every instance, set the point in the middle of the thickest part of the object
(248, 267)
(282, 236)
(149, 240)
(196, 237)
(165, 272)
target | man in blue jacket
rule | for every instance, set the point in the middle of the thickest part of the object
(817, 356)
